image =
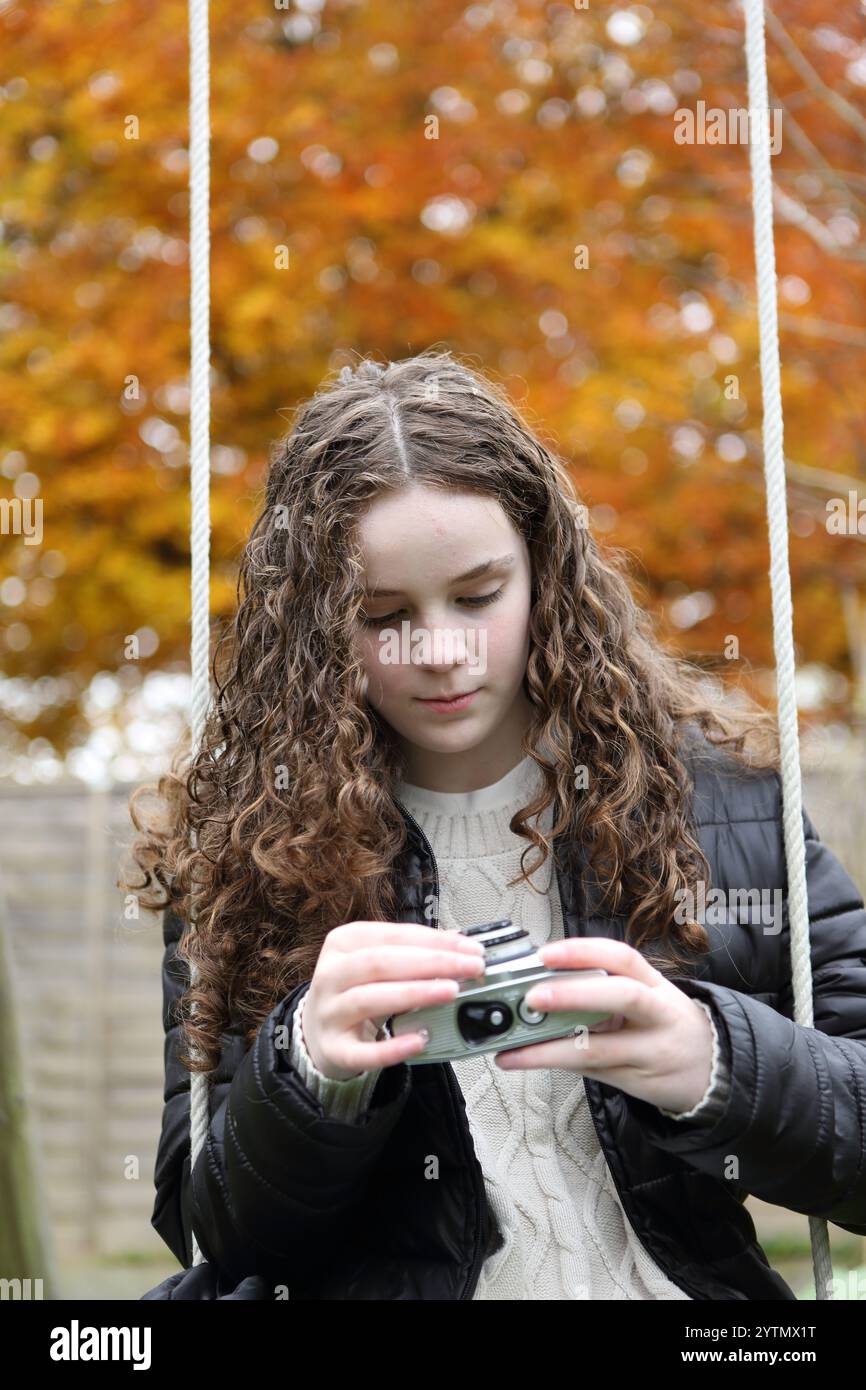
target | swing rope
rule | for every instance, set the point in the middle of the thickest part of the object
(780, 576)
(774, 474)
(199, 436)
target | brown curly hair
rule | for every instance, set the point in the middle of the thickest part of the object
(289, 796)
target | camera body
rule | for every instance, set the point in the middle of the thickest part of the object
(490, 1013)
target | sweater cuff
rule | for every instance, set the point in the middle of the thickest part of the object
(712, 1102)
(340, 1099)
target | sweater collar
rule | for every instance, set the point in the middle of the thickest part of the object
(515, 785)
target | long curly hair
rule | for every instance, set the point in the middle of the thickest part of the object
(290, 793)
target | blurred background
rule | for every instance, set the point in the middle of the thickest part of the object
(505, 178)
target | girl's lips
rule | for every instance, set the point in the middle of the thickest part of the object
(444, 706)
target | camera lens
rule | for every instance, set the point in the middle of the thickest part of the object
(478, 1022)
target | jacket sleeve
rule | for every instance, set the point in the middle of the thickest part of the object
(276, 1177)
(792, 1130)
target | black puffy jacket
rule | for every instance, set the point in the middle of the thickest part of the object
(334, 1210)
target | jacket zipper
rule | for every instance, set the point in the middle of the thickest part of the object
(429, 848)
(625, 1206)
(478, 1182)
(601, 1143)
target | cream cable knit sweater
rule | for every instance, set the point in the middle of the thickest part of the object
(566, 1235)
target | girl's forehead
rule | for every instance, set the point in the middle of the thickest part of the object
(398, 522)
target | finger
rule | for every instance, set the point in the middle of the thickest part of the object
(361, 1056)
(354, 935)
(611, 994)
(380, 1001)
(585, 1052)
(592, 952)
(366, 966)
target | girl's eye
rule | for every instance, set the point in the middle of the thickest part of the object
(480, 602)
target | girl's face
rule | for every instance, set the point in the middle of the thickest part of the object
(434, 633)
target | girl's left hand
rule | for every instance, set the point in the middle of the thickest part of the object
(658, 1046)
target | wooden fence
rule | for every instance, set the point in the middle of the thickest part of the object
(89, 1007)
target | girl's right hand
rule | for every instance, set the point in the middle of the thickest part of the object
(368, 971)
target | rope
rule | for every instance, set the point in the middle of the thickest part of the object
(777, 517)
(780, 577)
(199, 435)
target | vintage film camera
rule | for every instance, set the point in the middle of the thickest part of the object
(490, 1013)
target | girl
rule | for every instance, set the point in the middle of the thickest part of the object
(434, 671)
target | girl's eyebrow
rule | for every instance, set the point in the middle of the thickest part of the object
(502, 562)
